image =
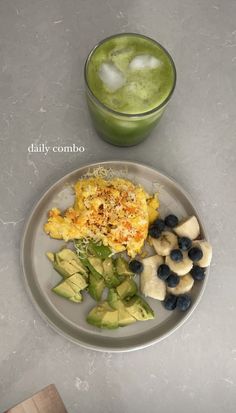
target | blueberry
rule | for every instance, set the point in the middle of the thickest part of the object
(197, 273)
(163, 272)
(160, 224)
(176, 255)
(171, 221)
(154, 232)
(172, 280)
(185, 243)
(195, 254)
(183, 302)
(170, 302)
(136, 266)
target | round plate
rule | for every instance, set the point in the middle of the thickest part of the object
(68, 318)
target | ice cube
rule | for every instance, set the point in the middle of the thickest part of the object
(111, 76)
(124, 51)
(144, 61)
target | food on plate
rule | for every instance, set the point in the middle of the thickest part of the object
(195, 254)
(188, 227)
(151, 285)
(176, 255)
(124, 317)
(91, 268)
(136, 266)
(66, 263)
(163, 272)
(114, 211)
(198, 273)
(127, 288)
(166, 242)
(180, 267)
(123, 250)
(184, 286)
(206, 249)
(171, 221)
(183, 302)
(170, 302)
(184, 259)
(138, 308)
(173, 280)
(71, 287)
(184, 243)
(103, 316)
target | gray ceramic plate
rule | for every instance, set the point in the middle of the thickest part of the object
(68, 318)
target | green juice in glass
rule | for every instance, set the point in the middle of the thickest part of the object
(130, 79)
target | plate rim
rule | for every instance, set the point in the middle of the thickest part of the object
(118, 349)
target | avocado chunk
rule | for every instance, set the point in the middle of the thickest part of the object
(127, 288)
(77, 298)
(99, 250)
(96, 286)
(66, 263)
(111, 279)
(69, 262)
(77, 282)
(122, 267)
(139, 308)
(103, 316)
(123, 315)
(71, 288)
(94, 265)
(65, 254)
(64, 290)
(51, 256)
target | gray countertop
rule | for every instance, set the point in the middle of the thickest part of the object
(43, 48)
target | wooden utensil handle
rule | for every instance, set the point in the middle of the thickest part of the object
(47, 400)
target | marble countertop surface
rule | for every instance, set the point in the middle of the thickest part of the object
(43, 46)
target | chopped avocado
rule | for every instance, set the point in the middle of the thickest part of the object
(139, 308)
(66, 263)
(65, 268)
(103, 316)
(69, 262)
(62, 271)
(95, 265)
(125, 318)
(127, 288)
(122, 267)
(96, 286)
(77, 282)
(64, 290)
(111, 279)
(113, 297)
(100, 251)
(66, 254)
(115, 302)
(77, 298)
(50, 256)
(70, 288)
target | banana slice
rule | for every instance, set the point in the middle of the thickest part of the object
(189, 227)
(182, 267)
(167, 242)
(150, 284)
(207, 252)
(185, 285)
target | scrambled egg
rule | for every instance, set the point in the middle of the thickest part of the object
(115, 211)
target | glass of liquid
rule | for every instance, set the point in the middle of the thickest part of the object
(129, 81)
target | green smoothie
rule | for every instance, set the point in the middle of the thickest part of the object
(130, 79)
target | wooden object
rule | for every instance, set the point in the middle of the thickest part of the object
(47, 400)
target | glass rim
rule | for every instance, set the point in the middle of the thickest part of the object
(115, 112)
